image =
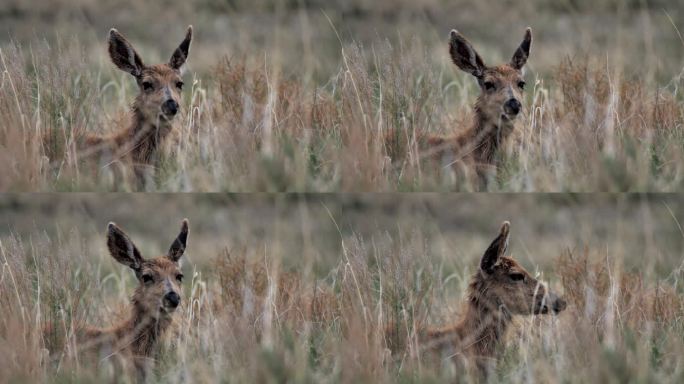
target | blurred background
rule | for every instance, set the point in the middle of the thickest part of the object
(641, 231)
(307, 35)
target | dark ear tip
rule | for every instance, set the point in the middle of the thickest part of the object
(111, 226)
(184, 224)
(505, 228)
(453, 35)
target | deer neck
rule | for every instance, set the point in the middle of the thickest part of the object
(146, 135)
(143, 330)
(485, 324)
(489, 135)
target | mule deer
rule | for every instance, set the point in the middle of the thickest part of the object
(500, 289)
(153, 111)
(496, 109)
(133, 341)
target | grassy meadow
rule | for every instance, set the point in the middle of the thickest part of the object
(300, 95)
(299, 288)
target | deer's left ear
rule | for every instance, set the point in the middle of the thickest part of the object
(181, 53)
(464, 55)
(123, 54)
(523, 52)
(496, 249)
(178, 247)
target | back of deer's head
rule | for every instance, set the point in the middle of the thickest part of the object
(158, 292)
(502, 86)
(502, 283)
(161, 84)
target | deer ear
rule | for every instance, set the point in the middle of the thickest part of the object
(123, 54)
(464, 55)
(178, 247)
(523, 52)
(496, 249)
(122, 248)
(181, 53)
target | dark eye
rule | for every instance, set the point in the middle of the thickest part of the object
(147, 86)
(489, 86)
(521, 84)
(179, 277)
(179, 85)
(517, 276)
(147, 279)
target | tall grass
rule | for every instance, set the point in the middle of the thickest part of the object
(270, 314)
(284, 96)
(251, 127)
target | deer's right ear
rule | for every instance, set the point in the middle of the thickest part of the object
(496, 249)
(123, 54)
(523, 52)
(180, 55)
(464, 55)
(178, 247)
(122, 248)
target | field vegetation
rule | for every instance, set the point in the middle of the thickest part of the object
(301, 288)
(302, 95)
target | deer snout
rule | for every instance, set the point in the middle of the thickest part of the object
(171, 300)
(559, 305)
(170, 107)
(512, 107)
(556, 303)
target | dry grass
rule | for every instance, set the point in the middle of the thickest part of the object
(260, 116)
(289, 298)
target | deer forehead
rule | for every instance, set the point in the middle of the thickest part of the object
(162, 73)
(161, 265)
(506, 264)
(504, 73)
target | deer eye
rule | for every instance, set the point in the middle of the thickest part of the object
(179, 85)
(147, 85)
(521, 84)
(517, 276)
(179, 277)
(147, 279)
(489, 86)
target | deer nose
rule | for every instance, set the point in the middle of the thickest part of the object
(172, 299)
(512, 107)
(559, 305)
(170, 107)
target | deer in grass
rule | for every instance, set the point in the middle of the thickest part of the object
(500, 289)
(132, 343)
(496, 110)
(153, 112)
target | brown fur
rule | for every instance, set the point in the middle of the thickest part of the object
(152, 123)
(131, 344)
(493, 121)
(500, 289)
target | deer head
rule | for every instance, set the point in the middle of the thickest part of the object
(158, 291)
(504, 284)
(160, 85)
(502, 86)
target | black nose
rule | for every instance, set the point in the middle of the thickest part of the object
(559, 305)
(512, 107)
(170, 107)
(172, 299)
